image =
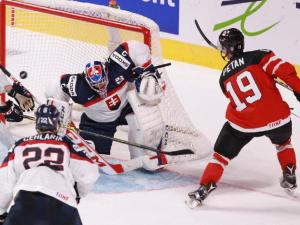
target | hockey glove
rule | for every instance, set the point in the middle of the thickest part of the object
(12, 112)
(297, 96)
(2, 218)
(139, 70)
(22, 96)
(149, 89)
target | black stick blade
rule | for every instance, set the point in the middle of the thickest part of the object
(179, 152)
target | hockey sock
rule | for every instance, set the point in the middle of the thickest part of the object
(214, 169)
(286, 154)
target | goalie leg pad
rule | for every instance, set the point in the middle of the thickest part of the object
(145, 127)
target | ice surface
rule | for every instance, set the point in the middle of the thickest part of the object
(248, 194)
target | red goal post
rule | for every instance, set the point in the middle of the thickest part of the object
(49, 38)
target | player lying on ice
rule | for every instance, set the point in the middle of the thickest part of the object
(123, 90)
(255, 109)
(45, 176)
(12, 112)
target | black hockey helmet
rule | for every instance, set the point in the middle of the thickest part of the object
(47, 119)
(231, 43)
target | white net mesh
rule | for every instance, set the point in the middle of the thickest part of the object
(47, 46)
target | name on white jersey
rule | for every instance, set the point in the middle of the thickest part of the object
(44, 137)
(119, 59)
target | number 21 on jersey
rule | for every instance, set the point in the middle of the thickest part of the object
(243, 87)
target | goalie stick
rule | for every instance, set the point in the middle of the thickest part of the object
(161, 66)
(172, 153)
(216, 47)
(104, 165)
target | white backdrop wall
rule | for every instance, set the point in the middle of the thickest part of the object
(283, 38)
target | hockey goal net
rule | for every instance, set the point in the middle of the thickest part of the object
(52, 37)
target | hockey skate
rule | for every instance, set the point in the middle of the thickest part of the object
(288, 180)
(196, 197)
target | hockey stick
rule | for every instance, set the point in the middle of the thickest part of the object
(172, 153)
(215, 47)
(95, 157)
(161, 66)
(204, 36)
(8, 74)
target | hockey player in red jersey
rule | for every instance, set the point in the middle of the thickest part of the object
(44, 176)
(255, 109)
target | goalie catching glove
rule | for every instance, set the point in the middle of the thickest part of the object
(22, 96)
(12, 112)
(148, 88)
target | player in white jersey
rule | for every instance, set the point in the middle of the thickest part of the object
(44, 176)
(106, 89)
(10, 111)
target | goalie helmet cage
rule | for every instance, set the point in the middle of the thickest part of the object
(53, 37)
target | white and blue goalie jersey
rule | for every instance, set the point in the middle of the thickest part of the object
(119, 64)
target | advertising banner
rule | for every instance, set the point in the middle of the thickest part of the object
(269, 24)
(164, 12)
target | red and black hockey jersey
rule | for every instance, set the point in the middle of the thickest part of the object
(255, 102)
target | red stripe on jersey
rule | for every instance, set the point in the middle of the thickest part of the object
(78, 157)
(220, 158)
(52, 142)
(125, 46)
(6, 161)
(268, 63)
(288, 74)
(265, 59)
(98, 99)
(147, 63)
(285, 72)
(62, 76)
(271, 65)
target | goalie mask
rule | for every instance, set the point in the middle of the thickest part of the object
(96, 77)
(47, 119)
(231, 43)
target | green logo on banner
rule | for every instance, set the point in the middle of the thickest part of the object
(253, 7)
